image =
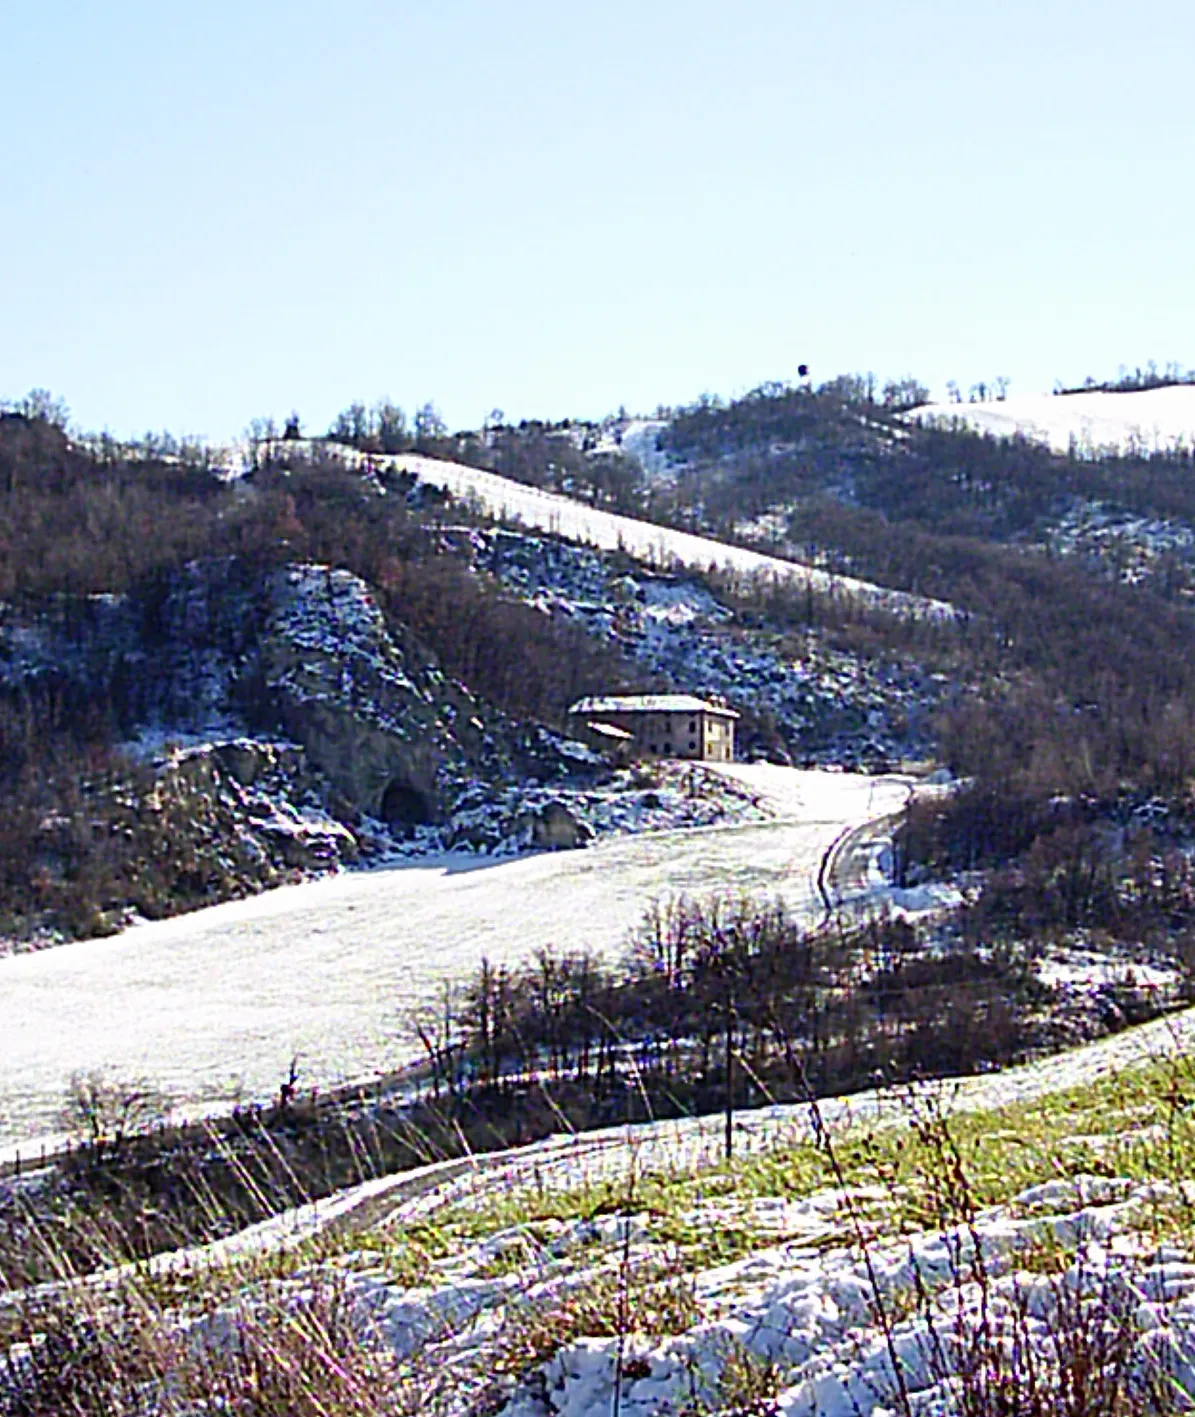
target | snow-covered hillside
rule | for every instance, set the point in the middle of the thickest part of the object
(661, 546)
(1139, 420)
(1131, 547)
(638, 438)
(829, 706)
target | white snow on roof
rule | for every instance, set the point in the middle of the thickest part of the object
(1139, 420)
(607, 730)
(650, 703)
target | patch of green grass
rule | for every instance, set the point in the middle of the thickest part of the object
(408, 1256)
(702, 1245)
(1138, 1124)
(523, 1254)
(932, 1166)
(927, 1169)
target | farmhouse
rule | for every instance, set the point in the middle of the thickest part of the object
(662, 725)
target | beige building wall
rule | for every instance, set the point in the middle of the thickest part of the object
(697, 734)
(671, 735)
(719, 738)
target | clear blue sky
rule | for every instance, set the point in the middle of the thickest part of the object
(213, 211)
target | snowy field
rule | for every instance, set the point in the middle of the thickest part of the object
(1141, 420)
(214, 1005)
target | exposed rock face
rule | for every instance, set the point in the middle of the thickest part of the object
(303, 649)
(254, 792)
(171, 654)
(554, 828)
(72, 640)
(184, 832)
(206, 668)
(240, 759)
(376, 718)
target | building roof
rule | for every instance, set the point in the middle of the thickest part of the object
(651, 703)
(607, 730)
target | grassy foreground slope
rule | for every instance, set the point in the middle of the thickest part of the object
(1013, 1259)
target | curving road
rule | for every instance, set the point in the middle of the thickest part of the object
(213, 1005)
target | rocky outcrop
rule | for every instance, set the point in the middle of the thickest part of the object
(301, 649)
(553, 827)
(262, 795)
(193, 827)
(206, 669)
(375, 716)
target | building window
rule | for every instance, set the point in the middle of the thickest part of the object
(692, 745)
(667, 750)
(692, 725)
(651, 747)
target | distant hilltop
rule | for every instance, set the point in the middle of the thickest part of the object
(1090, 422)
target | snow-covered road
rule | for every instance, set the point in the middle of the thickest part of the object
(215, 1004)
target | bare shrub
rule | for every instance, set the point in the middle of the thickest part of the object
(103, 1112)
(68, 1360)
(301, 1353)
(1059, 1342)
(311, 1354)
(746, 1386)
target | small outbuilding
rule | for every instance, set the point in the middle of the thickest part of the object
(658, 725)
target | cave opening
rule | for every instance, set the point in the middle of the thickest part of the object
(404, 806)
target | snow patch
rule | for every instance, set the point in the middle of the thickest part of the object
(1138, 421)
